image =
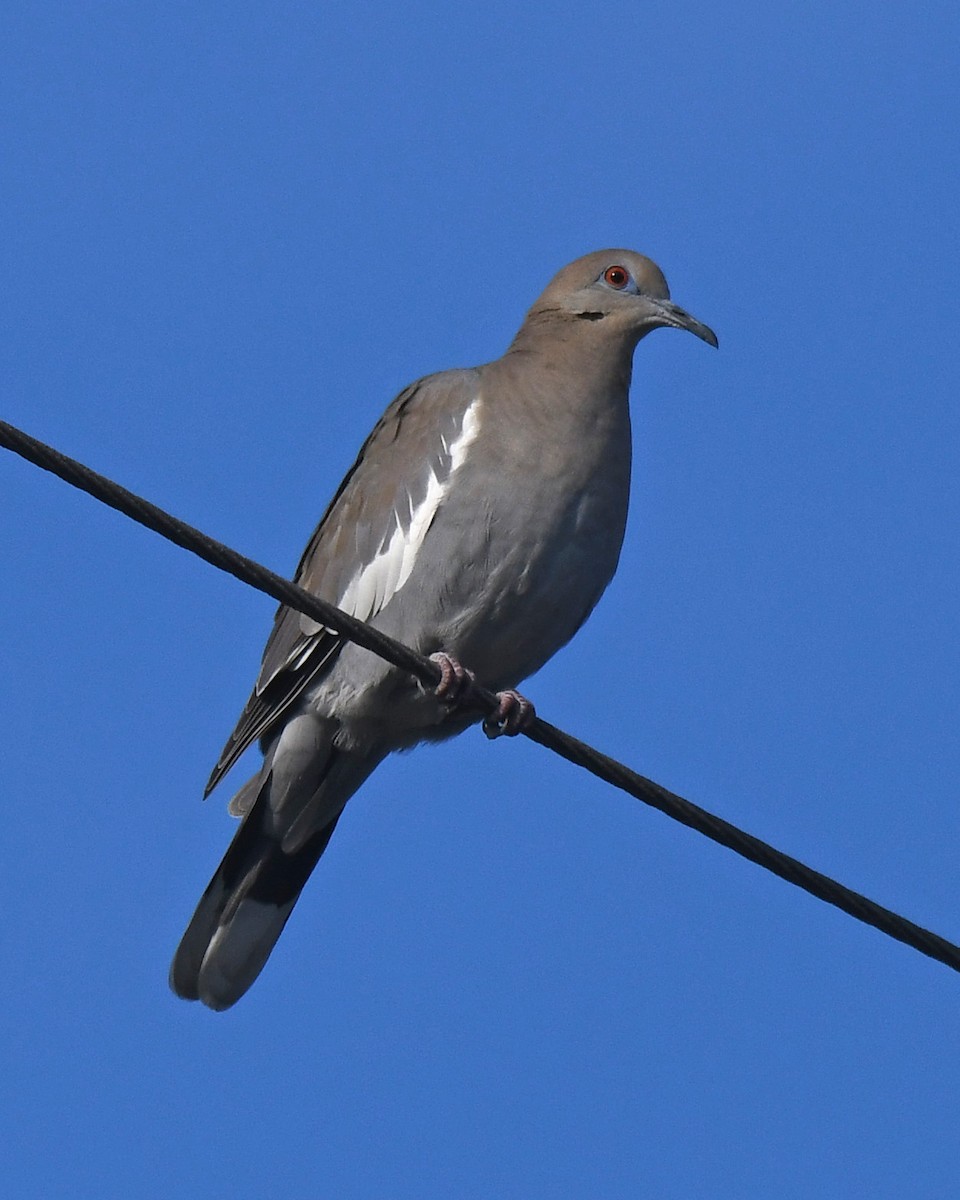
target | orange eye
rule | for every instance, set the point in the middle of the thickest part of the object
(617, 277)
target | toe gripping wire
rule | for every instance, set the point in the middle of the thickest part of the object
(540, 731)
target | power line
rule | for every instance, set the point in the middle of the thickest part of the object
(540, 731)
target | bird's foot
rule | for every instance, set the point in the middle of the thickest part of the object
(456, 682)
(513, 713)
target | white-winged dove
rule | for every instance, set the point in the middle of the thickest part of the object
(480, 524)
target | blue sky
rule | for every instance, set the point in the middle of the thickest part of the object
(231, 234)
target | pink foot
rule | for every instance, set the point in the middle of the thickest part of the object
(456, 682)
(513, 714)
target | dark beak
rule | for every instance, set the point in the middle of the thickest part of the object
(678, 318)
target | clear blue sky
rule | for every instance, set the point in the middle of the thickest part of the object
(231, 233)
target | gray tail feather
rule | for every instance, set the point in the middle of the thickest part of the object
(243, 911)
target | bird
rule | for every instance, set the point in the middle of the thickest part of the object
(480, 524)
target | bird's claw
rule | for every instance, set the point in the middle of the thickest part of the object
(513, 714)
(456, 682)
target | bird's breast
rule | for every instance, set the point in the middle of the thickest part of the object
(522, 539)
(527, 536)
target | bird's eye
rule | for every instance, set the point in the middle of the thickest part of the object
(617, 277)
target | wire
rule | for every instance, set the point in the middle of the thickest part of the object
(540, 731)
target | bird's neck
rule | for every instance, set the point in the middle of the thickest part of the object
(574, 353)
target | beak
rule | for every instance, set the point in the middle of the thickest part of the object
(678, 318)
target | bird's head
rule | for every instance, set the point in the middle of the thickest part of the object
(617, 289)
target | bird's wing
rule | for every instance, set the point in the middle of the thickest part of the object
(365, 546)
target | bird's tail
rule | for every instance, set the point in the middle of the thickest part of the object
(247, 902)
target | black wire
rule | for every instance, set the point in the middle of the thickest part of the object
(542, 732)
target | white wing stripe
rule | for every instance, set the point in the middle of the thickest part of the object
(384, 576)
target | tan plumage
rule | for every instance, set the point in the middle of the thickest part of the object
(483, 517)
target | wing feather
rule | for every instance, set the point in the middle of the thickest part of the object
(365, 546)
